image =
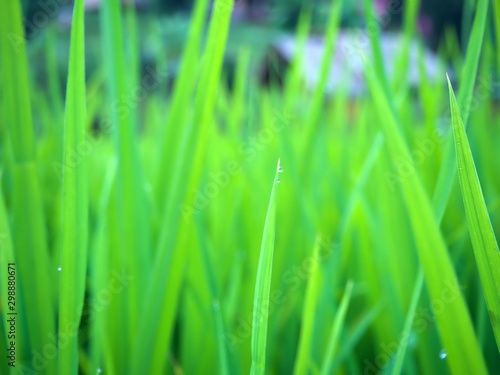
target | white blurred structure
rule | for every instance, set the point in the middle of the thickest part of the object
(95, 4)
(347, 66)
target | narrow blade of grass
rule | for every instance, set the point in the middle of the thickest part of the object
(355, 335)
(263, 284)
(326, 65)
(183, 91)
(29, 234)
(98, 263)
(333, 341)
(373, 30)
(410, 16)
(75, 198)
(16, 81)
(454, 324)
(221, 339)
(168, 271)
(215, 298)
(496, 17)
(132, 217)
(308, 313)
(357, 192)
(6, 257)
(447, 172)
(481, 231)
(405, 337)
(293, 78)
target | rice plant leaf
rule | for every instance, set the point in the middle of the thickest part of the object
(221, 338)
(373, 32)
(447, 172)
(454, 323)
(405, 336)
(324, 71)
(338, 323)
(355, 335)
(168, 271)
(481, 231)
(308, 313)
(98, 262)
(16, 81)
(496, 17)
(293, 78)
(263, 284)
(215, 299)
(183, 91)
(357, 192)
(132, 211)
(75, 197)
(326, 65)
(6, 257)
(410, 16)
(29, 235)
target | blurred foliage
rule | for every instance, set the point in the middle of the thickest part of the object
(284, 14)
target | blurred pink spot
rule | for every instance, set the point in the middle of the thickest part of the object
(381, 6)
(425, 25)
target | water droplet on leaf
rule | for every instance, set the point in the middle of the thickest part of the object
(59, 269)
(443, 354)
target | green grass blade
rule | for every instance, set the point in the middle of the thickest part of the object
(355, 334)
(496, 17)
(54, 85)
(170, 259)
(75, 198)
(16, 81)
(373, 30)
(338, 323)
(317, 103)
(183, 91)
(326, 65)
(132, 215)
(454, 324)
(35, 275)
(6, 256)
(307, 327)
(215, 298)
(357, 192)
(263, 284)
(400, 355)
(293, 78)
(482, 235)
(447, 172)
(410, 16)
(98, 263)
(221, 339)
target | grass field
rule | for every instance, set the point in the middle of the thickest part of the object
(247, 229)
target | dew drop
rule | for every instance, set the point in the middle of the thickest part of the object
(280, 169)
(278, 181)
(443, 354)
(99, 370)
(59, 269)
